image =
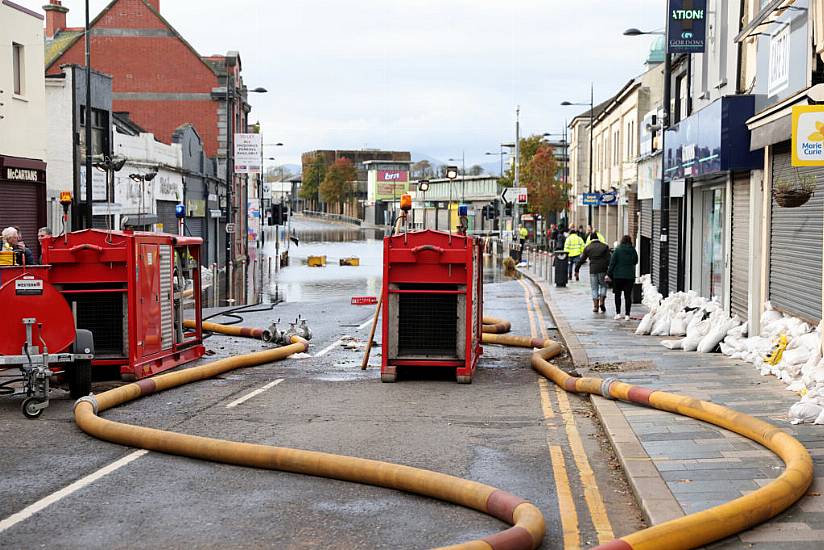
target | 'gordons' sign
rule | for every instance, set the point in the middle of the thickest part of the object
(687, 26)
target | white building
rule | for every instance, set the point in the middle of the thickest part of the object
(22, 121)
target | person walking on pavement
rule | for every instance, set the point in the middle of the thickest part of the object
(622, 272)
(574, 247)
(594, 235)
(599, 257)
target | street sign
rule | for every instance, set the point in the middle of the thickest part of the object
(230, 228)
(514, 194)
(248, 153)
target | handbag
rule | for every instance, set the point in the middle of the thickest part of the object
(608, 281)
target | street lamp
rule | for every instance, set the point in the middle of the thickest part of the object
(423, 187)
(451, 173)
(142, 179)
(501, 154)
(591, 105)
(663, 283)
(463, 174)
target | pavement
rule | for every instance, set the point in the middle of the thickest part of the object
(674, 464)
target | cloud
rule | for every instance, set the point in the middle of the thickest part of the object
(434, 77)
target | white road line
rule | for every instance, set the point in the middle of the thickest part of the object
(328, 348)
(32, 509)
(250, 395)
(366, 323)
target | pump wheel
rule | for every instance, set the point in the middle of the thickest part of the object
(463, 379)
(79, 375)
(389, 375)
(30, 409)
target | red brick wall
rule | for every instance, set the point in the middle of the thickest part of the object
(151, 65)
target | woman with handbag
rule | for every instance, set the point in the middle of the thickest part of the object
(622, 273)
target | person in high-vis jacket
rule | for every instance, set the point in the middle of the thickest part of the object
(574, 247)
(594, 232)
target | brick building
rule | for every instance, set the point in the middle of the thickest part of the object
(163, 82)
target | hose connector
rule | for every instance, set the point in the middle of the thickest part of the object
(605, 385)
(91, 399)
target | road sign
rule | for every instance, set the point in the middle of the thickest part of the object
(514, 194)
(230, 228)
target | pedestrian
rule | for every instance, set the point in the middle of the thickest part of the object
(594, 235)
(552, 236)
(12, 243)
(523, 233)
(622, 272)
(42, 233)
(599, 257)
(574, 247)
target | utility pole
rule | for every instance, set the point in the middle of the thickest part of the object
(88, 125)
(517, 181)
(229, 181)
(663, 283)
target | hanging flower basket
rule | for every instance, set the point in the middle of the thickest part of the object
(792, 194)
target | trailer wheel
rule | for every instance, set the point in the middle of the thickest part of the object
(463, 379)
(29, 409)
(80, 379)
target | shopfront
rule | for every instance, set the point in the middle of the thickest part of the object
(23, 197)
(706, 154)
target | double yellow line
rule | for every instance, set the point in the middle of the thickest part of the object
(592, 494)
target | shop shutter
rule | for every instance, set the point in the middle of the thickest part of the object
(739, 269)
(196, 227)
(675, 213)
(646, 218)
(19, 207)
(656, 247)
(166, 216)
(795, 246)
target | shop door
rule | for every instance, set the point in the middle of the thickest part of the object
(148, 315)
(740, 257)
(708, 241)
(676, 281)
(795, 245)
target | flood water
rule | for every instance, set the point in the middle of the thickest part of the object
(298, 282)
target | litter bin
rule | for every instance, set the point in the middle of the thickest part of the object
(561, 269)
(637, 294)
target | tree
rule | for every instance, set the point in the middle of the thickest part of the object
(476, 170)
(422, 169)
(546, 193)
(529, 146)
(338, 185)
(314, 176)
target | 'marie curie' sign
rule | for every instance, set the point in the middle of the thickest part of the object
(808, 135)
(687, 26)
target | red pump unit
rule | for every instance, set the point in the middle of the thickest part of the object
(127, 288)
(432, 303)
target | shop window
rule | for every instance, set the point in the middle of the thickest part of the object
(18, 68)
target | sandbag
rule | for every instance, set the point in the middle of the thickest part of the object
(671, 344)
(804, 412)
(678, 327)
(662, 325)
(645, 326)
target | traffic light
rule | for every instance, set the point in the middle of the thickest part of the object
(508, 209)
(278, 214)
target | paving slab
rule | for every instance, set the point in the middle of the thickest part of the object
(677, 465)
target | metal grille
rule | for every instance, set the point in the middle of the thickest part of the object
(795, 245)
(20, 206)
(428, 325)
(166, 216)
(674, 243)
(656, 248)
(165, 267)
(646, 218)
(740, 257)
(104, 315)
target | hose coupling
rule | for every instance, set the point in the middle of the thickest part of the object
(91, 399)
(605, 385)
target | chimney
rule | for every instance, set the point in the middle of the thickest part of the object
(155, 4)
(55, 18)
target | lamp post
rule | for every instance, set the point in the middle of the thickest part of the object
(591, 105)
(230, 96)
(451, 173)
(463, 174)
(500, 154)
(663, 277)
(142, 179)
(423, 187)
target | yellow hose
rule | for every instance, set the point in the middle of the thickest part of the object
(527, 531)
(229, 330)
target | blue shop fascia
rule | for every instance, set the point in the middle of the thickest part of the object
(708, 164)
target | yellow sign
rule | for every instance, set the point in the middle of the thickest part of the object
(808, 135)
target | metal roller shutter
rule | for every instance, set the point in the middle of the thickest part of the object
(795, 246)
(646, 218)
(196, 227)
(673, 240)
(20, 206)
(656, 247)
(166, 216)
(739, 269)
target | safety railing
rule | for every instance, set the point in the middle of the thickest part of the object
(332, 217)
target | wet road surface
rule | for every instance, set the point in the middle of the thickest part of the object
(507, 429)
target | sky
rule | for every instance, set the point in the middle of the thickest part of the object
(440, 78)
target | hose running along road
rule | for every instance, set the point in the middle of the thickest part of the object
(526, 533)
(692, 531)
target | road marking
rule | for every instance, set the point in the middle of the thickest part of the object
(365, 323)
(529, 308)
(329, 348)
(43, 503)
(592, 495)
(546, 404)
(566, 505)
(250, 395)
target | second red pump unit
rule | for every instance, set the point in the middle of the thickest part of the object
(432, 303)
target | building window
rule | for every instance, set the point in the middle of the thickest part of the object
(616, 147)
(100, 134)
(18, 68)
(630, 139)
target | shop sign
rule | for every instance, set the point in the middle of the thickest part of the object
(248, 153)
(608, 199)
(590, 199)
(687, 26)
(391, 184)
(22, 174)
(808, 135)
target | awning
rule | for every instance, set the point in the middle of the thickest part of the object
(774, 124)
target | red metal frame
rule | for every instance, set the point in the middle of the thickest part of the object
(104, 262)
(435, 257)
